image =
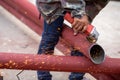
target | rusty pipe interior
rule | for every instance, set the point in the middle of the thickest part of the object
(97, 54)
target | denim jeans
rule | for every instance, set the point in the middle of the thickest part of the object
(50, 38)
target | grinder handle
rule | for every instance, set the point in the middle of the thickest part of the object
(70, 19)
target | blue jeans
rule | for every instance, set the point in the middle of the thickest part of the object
(50, 38)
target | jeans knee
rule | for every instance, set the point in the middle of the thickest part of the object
(48, 43)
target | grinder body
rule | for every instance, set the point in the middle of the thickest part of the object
(91, 32)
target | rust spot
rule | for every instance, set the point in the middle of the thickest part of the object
(68, 51)
(40, 67)
(16, 66)
(10, 67)
(14, 63)
(29, 60)
(6, 64)
(48, 56)
(1, 65)
(25, 62)
(10, 61)
(36, 63)
(43, 62)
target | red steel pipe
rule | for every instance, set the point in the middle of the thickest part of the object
(92, 50)
(57, 63)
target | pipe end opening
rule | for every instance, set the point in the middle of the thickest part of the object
(97, 54)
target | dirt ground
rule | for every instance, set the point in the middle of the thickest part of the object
(17, 37)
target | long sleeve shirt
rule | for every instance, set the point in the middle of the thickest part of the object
(52, 9)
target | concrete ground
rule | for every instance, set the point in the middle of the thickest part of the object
(108, 25)
(17, 37)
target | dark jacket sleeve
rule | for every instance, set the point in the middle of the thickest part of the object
(93, 7)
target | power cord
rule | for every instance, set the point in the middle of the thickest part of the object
(19, 74)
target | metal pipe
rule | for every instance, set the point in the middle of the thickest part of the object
(92, 50)
(57, 63)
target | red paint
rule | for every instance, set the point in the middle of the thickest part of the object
(57, 63)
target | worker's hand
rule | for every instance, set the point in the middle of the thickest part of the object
(80, 25)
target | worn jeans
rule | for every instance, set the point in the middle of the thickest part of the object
(50, 38)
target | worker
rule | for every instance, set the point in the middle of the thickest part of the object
(53, 11)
